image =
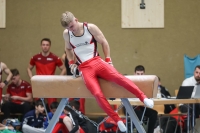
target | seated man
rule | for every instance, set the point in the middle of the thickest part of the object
(33, 121)
(53, 107)
(70, 120)
(18, 97)
(73, 119)
(193, 81)
(59, 127)
(82, 103)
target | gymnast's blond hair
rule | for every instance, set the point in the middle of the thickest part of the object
(66, 19)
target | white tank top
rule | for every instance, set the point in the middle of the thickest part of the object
(85, 46)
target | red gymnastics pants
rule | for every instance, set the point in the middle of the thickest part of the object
(96, 67)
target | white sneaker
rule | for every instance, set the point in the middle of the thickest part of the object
(149, 102)
(158, 130)
(121, 126)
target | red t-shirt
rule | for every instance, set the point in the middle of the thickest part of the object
(20, 90)
(45, 65)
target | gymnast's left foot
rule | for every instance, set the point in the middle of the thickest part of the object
(149, 102)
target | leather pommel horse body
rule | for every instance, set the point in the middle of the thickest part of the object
(52, 86)
(67, 87)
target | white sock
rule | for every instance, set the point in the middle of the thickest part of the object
(121, 126)
(149, 102)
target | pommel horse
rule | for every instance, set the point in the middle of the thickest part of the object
(65, 87)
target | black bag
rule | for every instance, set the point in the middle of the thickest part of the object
(165, 94)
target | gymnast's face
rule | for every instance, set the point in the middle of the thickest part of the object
(73, 25)
(197, 74)
(45, 45)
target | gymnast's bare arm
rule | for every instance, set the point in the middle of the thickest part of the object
(98, 35)
(68, 48)
(7, 71)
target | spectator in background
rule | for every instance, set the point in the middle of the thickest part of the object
(33, 121)
(46, 63)
(53, 107)
(73, 118)
(18, 97)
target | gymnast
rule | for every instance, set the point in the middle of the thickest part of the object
(81, 43)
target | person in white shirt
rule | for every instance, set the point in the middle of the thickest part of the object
(194, 81)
